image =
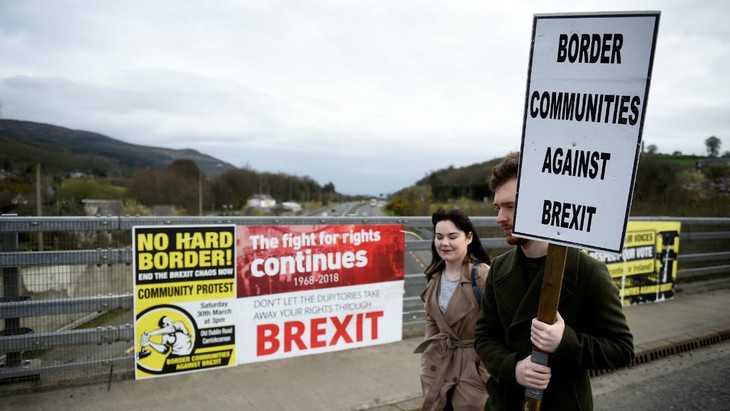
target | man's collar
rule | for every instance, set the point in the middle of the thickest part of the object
(535, 249)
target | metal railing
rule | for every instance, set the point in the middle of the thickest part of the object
(67, 301)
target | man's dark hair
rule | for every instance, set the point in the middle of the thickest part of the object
(505, 170)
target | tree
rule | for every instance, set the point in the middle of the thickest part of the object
(329, 192)
(77, 189)
(713, 146)
(655, 180)
(414, 200)
(652, 149)
(177, 185)
(184, 168)
(234, 187)
(329, 188)
(180, 184)
(145, 187)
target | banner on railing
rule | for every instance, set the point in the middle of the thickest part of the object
(647, 268)
(215, 296)
(317, 288)
(184, 290)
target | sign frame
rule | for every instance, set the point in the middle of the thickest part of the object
(589, 159)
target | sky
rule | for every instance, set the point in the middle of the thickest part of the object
(368, 95)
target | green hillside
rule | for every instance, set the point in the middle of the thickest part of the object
(64, 151)
(675, 185)
(76, 165)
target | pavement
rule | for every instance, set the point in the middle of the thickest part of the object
(379, 378)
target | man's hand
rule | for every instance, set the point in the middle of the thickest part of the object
(546, 337)
(532, 375)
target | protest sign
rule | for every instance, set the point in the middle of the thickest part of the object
(184, 287)
(587, 90)
(317, 288)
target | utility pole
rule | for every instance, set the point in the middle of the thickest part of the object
(38, 202)
(200, 192)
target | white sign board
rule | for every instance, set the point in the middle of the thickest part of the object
(587, 91)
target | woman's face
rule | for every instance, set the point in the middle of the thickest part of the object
(451, 243)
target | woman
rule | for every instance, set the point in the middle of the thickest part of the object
(452, 376)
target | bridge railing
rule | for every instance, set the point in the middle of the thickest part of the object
(67, 303)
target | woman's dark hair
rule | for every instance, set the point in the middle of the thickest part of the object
(475, 250)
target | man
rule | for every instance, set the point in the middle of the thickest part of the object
(590, 332)
(176, 339)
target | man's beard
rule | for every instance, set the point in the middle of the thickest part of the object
(511, 240)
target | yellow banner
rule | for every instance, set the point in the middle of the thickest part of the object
(647, 267)
(184, 289)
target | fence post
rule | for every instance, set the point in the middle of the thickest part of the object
(11, 292)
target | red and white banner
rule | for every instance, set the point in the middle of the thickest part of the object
(318, 288)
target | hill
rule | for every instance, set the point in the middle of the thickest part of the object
(470, 181)
(78, 165)
(65, 151)
(680, 185)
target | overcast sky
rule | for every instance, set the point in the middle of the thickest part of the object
(368, 95)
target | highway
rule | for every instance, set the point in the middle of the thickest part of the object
(415, 262)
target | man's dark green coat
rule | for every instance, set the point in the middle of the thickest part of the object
(596, 334)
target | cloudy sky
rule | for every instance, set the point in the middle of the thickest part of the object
(368, 95)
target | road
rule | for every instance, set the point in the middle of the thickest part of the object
(696, 380)
(350, 209)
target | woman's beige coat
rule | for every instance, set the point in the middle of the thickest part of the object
(448, 359)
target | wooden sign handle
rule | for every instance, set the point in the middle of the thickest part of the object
(547, 312)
